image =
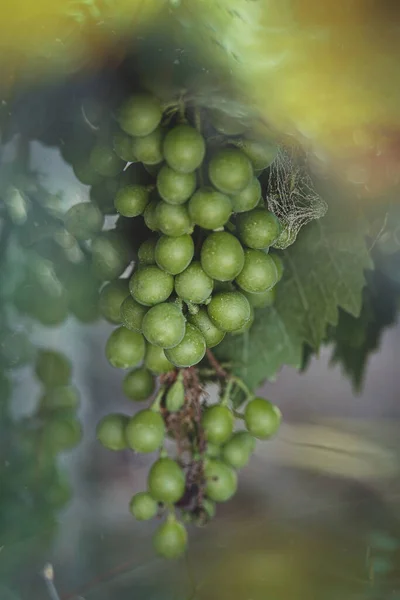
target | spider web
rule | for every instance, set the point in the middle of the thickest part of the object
(292, 197)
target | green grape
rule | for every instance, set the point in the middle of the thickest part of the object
(145, 431)
(175, 398)
(230, 171)
(156, 361)
(52, 368)
(258, 228)
(248, 198)
(174, 254)
(150, 285)
(229, 310)
(278, 264)
(209, 508)
(131, 200)
(190, 350)
(212, 335)
(174, 187)
(147, 251)
(150, 215)
(238, 449)
(125, 348)
(122, 145)
(222, 256)
(62, 432)
(263, 299)
(217, 422)
(132, 314)
(111, 431)
(170, 539)
(16, 349)
(140, 114)
(213, 450)
(143, 507)
(111, 298)
(221, 481)
(83, 220)
(166, 481)
(62, 397)
(173, 219)
(259, 272)
(110, 255)
(262, 418)
(209, 209)
(184, 148)
(139, 384)
(103, 194)
(261, 154)
(85, 173)
(193, 284)
(148, 149)
(104, 161)
(226, 124)
(164, 325)
(247, 325)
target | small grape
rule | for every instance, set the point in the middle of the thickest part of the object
(151, 285)
(166, 481)
(190, 350)
(52, 368)
(247, 325)
(131, 200)
(111, 298)
(184, 148)
(173, 219)
(143, 507)
(222, 256)
(132, 314)
(230, 171)
(262, 418)
(148, 149)
(111, 431)
(261, 154)
(164, 325)
(139, 384)
(84, 220)
(170, 539)
(145, 431)
(237, 450)
(278, 263)
(174, 187)
(193, 284)
(105, 162)
(140, 114)
(150, 215)
(259, 272)
(125, 348)
(221, 481)
(248, 198)
(229, 310)
(62, 397)
(258, 228)
(263, 299)
(212, 335)
(62, 433)
(209, 209)
(147, 251)
(156, 361)
(217, 422)
(110, 255)
(175, 397)
(122, 145)
(173, 254)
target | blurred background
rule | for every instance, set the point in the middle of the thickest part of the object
(317, 514)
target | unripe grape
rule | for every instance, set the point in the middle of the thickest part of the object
(122, 145)
(175, 397)
(147, 251)
(143, 507)
(110, 255)
(110, 431)
(173, 254)
(139, 384)
(62, 432)
(132, 314)
(258, 228)
(52, 368)
(62, 397)
(248, 198)
(111, 298)
(150, 216)
(105, 162)
(140, 114)
(238, 449)
(190, 350)
(262, 418)
(173, 219)
(156, 361)
(164, 325)
(174, 187)
(259, 272)
(184, 148)
(209, 209)
(261, 154)
(230, 171)
(125, 348)
(166, 481)
(222, 256)
(212, 335)
(131, 200)
(229, 310)
(151, 285)
(145, 431)
(263, 299)
(193, 284)
(217, 422)
(170, 539)
(148, 149)
(221, 481)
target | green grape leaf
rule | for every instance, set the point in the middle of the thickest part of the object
(324, 270)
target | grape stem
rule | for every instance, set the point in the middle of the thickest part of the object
(220, 371)
(156, 405)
